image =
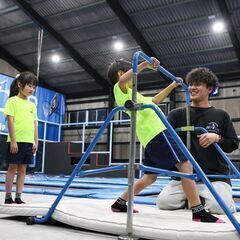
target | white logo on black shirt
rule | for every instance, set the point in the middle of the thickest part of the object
(212, 127)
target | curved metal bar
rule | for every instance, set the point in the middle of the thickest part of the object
(221, 152)
(168, 173)
(78, 167)
(102, 170)
(141, 54)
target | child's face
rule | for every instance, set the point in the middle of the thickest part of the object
(28, 90)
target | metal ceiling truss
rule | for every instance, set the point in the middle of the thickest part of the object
(85, 94)
(40, 21)
(130, 26)
(230, 27)
(5, 55)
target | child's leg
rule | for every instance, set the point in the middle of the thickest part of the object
(140, 184)
(189, 186)
(191, 192)
(20, 182)
(12, 168)
(146, 180)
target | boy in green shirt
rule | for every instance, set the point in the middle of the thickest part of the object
(160, 148)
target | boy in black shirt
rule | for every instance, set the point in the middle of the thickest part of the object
(201, 83)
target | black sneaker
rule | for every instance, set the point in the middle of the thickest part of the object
(116, 207)
(19, 201)
(9, 201)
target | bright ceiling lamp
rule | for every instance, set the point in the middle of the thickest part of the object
(55, 58)
(118, 45)
(218, 26)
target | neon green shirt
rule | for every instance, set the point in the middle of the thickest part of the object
(148, 123)
(24, 114)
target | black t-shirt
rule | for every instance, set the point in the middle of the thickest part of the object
(215, 121)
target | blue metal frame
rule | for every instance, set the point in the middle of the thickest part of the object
(234, 169)
(79, 165)
(139, 54)
(200, 173)
(177, 139)
(197, 168)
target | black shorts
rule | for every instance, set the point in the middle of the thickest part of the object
(162, 154)
(23, 156)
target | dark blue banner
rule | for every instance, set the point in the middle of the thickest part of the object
(50, 107)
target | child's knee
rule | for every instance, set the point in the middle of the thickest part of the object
(151, 178)
(12, 168)
(185, 167)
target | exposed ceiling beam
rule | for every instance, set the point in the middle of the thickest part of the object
(8, 10)
(128, 23)
(66, 73)
(185, 38)
(197, 51)
(130, 26)
(92, 93)
(48, 17)
(40, 21)
(74, 29)
(5, 55)
(226, 76)
(230, 26)
(189, 67)
(161, 7)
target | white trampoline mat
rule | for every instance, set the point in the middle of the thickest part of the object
(149, 223)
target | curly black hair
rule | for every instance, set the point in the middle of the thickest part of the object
(202, 75)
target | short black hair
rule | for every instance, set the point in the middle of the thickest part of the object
(202, 75)
(118, 65)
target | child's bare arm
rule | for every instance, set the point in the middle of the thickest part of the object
(126, 77)
(158, 98)
(13, 144)
(35, 146)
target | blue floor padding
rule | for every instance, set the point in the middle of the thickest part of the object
(70, 193)
(95, 180)
(100, 183)
(108, 194)
(73, 185)
(105, 192)
(99, 188)
(237, 206)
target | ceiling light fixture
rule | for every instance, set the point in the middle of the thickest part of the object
(118, 45)
(218, 26)
(55, 58)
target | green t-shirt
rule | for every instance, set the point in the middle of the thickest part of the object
(148, 123)
(24, 114)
